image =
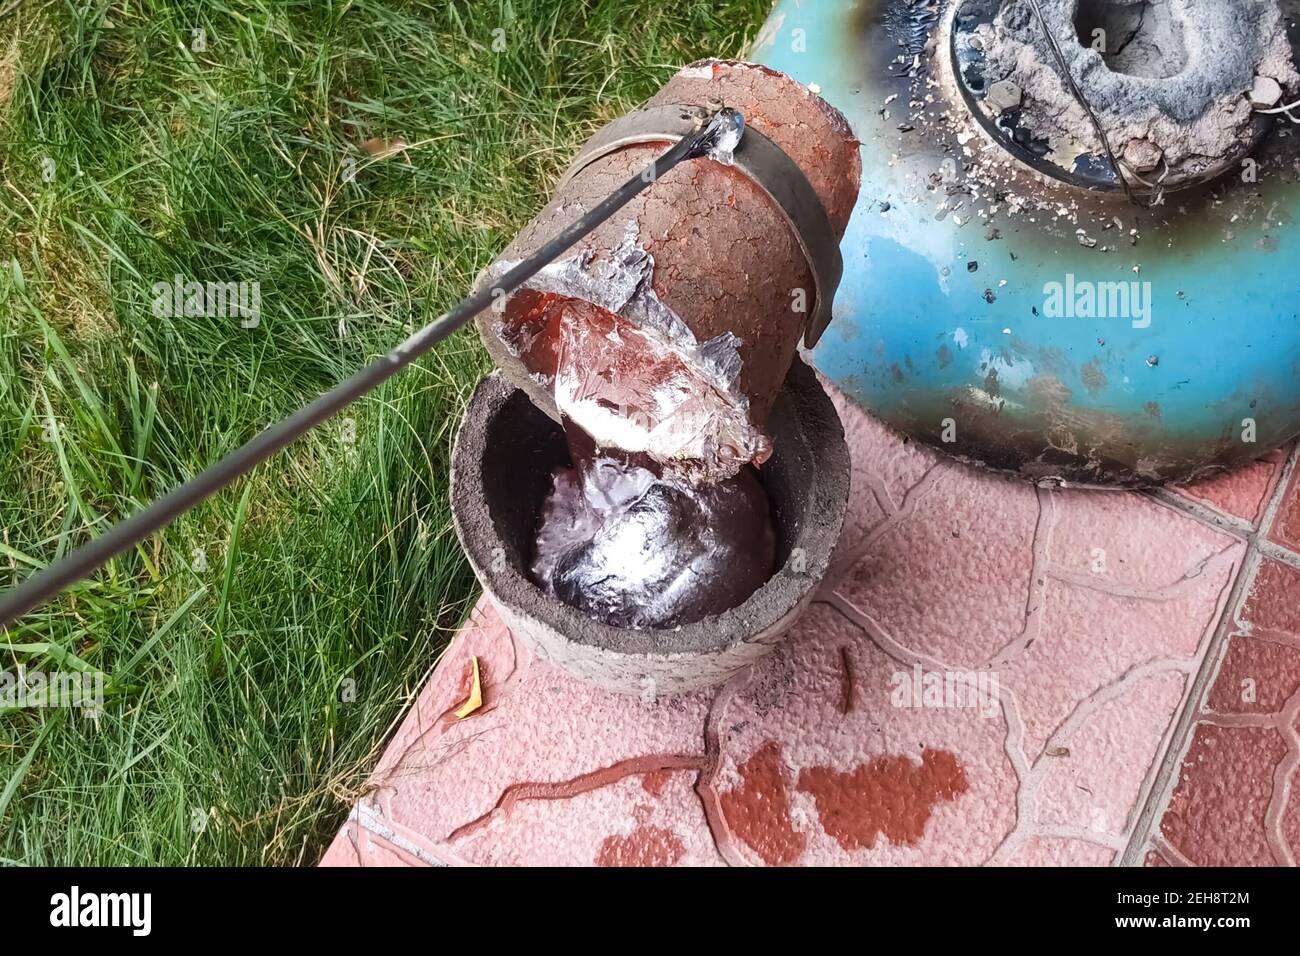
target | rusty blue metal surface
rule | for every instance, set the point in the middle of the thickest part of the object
(943, 324)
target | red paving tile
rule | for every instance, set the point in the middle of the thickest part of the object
(1257, 676)
(1273, 603)
(1219, 814)
(1085, 615)
(1286, 525)
(1243, 493)
(1234, 800)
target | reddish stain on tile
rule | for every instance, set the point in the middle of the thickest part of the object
(613, 825)
(1216, 815)
(758, 810)
(1257, 677)
(1242, 493)
(653, 783)
(890, 796)
(1286, 524)
(1274, 600)
(644, 846)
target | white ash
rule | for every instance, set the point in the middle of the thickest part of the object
(1201, 119)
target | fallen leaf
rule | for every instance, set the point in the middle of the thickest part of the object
(475, 700)
(384, 148)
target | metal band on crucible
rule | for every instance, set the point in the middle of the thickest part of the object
(763, 162)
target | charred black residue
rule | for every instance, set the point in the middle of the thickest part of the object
(1049, 441)
(908, 24)
(885, 29)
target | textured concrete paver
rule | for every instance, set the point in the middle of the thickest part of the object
(993, 674)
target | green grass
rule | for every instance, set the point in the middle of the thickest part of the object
(249, 692)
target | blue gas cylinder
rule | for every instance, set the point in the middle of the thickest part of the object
(1011, 305)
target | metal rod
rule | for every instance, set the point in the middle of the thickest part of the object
(1083, 101)
(42, 585)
